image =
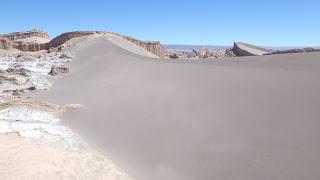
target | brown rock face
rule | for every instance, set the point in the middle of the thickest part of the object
(6, 43)
(153, 46)
(61, 39)
(11, 40)
(30, 47)
(22, 35)
(244, 49)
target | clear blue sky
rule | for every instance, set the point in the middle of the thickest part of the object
(202, 22)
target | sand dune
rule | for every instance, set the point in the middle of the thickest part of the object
(238, 118)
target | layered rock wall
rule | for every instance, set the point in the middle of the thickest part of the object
(6, 43)
(15, 36)
(11, 40)
(61, 39)
(153, 46)
(29, 47)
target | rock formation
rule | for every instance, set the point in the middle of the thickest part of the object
(229, 53)
(29, 41)
(29, 47)
(61, 39)
(206, 53)
(244, 49)
(58, 69)
(20, 40)
(294, 51)
(203, 53)
(16, 40)
(173, 56)
(153, 46)
(15, 36)
(6, 43)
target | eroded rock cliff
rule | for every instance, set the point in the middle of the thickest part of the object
(6, 43)
(61, 39)
(153, 46)
(30, 47)
(245, 49)
(15, 36)
(15, 40)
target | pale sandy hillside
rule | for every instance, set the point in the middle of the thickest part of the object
(238, 118)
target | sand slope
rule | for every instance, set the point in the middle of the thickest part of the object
(242, 118)
(21, 158)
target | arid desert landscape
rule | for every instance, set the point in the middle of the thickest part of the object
(102, 105)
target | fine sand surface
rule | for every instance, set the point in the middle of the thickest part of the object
(239, 118)
(24, 159)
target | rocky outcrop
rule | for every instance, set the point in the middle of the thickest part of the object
(15, 36)
(29, 47)
(6, 43)
(206, 53)
(152, 46)
(61, 39)
(58, 70)
(12, 40)
(229, 53)
(244, 49)
(4, 79)
(203, 53)
(294, 51)
(17, 40)
(173, 56)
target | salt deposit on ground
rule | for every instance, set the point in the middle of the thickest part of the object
(23, 119)
(36, 124)
(38, 72)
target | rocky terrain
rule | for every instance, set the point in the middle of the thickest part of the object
(123, 71)
(239, 49)
(6, 43)
(37, 40)
(202, 53)
(32, 40)
(16, 36)
(304, 50)
(23, 72)
(29, 41)
(27, 67)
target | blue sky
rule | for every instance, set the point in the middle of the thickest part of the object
(198, 22)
